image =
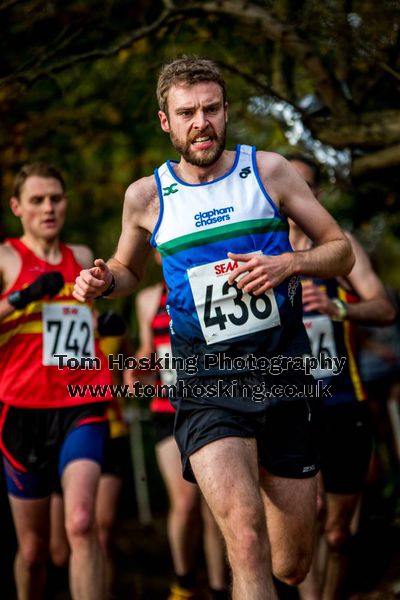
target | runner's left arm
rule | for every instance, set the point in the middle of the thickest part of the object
(331, 254)
(374, 306)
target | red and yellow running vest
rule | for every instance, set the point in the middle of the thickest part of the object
(32, 341)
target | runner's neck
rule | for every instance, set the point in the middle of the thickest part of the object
(48, 250)
(192, 174)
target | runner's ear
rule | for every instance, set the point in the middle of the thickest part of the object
(15, 206)
(164, 121)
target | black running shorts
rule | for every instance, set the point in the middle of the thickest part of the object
(283, 427)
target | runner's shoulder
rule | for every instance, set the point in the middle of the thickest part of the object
(142, 193)
(10, 265)
(271, 164)
(6, 252)
(8, 257)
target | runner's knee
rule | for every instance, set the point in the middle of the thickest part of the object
(291, 564)
(337, 538)
(34, 550)
(185, 506)
(80, 523)
(248, 549)
(246, 538)
(59, 554)
(291, 571)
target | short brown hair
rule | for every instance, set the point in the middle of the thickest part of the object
(187, 70)
(39, 169)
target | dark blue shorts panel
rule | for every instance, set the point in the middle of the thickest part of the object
(38, 444)
(28, 485)
(83, 442)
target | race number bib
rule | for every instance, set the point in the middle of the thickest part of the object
(224, 311)
(319, 329)
(67, 330)
(167, 376)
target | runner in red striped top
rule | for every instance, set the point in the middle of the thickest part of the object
(44, 433)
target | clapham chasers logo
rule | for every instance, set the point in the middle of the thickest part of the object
(216, 215)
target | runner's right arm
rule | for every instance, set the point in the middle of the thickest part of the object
(121, 274)
(47, 284)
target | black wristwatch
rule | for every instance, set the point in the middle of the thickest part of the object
(110, 288)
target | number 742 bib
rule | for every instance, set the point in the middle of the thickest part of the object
(67, 331)
(224, 311)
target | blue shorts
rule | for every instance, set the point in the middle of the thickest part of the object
(38, 444)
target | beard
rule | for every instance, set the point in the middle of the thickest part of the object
(205, 158)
